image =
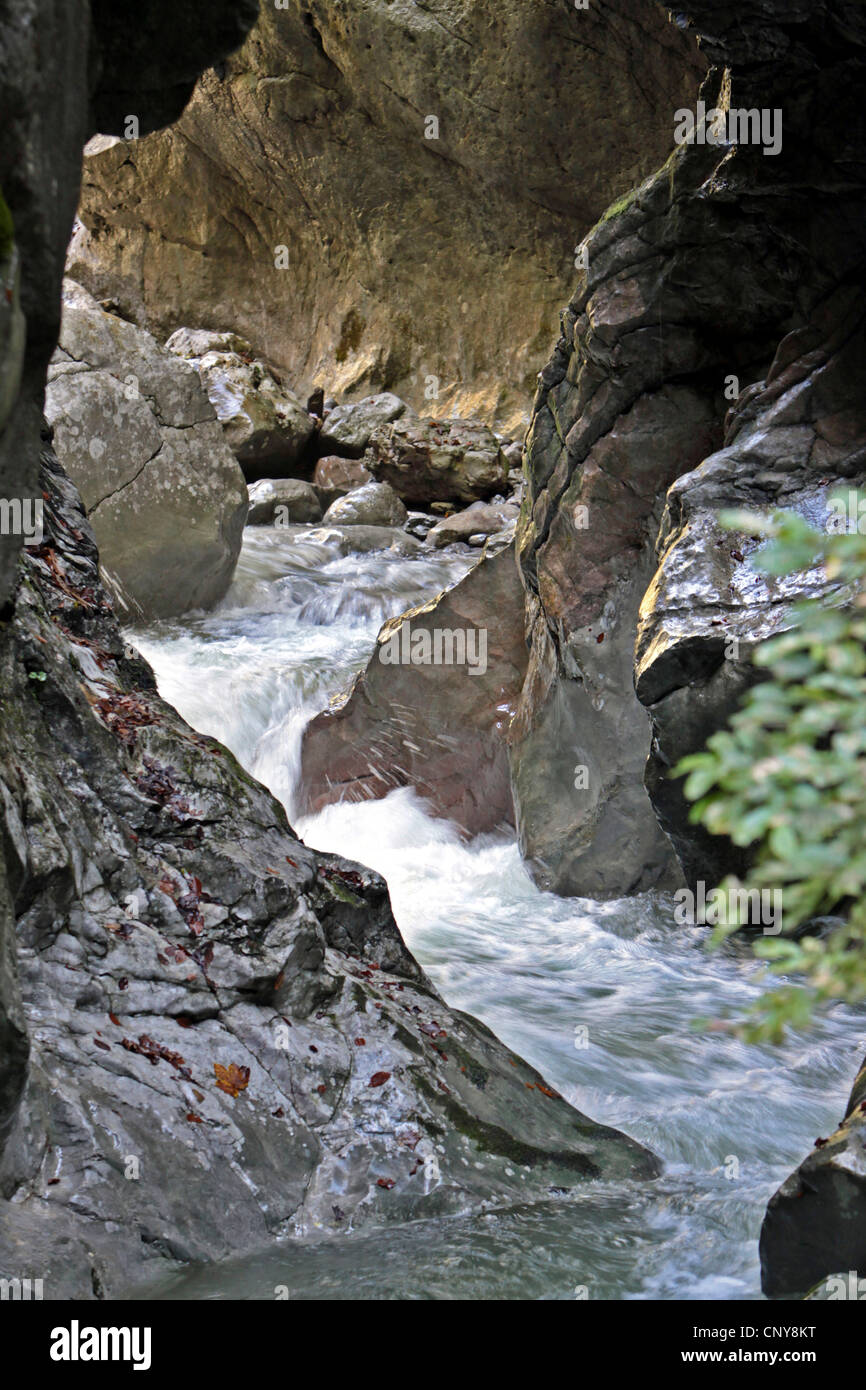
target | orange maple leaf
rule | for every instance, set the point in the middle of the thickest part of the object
(231, 1079)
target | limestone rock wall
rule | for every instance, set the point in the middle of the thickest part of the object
(408, 258)
(58, 68)
(692, 283)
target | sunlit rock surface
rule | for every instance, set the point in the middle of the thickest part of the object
(427, 170)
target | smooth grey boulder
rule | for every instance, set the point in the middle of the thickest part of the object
(373, 504)
(283, 500)
(135, 430)
(480, 520)
(265, 424)
(348, 429)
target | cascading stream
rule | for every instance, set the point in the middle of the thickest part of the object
(601, 997)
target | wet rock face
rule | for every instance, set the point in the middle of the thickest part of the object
(790, 442)
(815, 1224)
(229, 1042)
(403, 155)
(54, 76)
(136, 432)
(691, 285)
(436, 726)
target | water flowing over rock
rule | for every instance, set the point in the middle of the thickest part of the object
(137, 434)
(208, 999)
(437, 726)
(393, 159)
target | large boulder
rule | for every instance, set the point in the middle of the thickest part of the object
(374, 504)
(438, 460)
(436, 725)
(815, 1223)
(208, 1000)
(285, 500)
(136, 432)
(348, 429)
(266, 426)
(319, 182)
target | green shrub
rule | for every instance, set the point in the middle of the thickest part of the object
(788, 776)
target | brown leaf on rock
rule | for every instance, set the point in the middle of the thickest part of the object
(379, 1078)
(231, 1079)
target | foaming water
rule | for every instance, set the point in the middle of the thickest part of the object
(601, 997)
(299, 620)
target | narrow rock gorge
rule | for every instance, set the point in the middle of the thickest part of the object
(376, 384)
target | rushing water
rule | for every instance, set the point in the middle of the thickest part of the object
(547, 974)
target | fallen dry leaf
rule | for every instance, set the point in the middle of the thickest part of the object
(231, 1079)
